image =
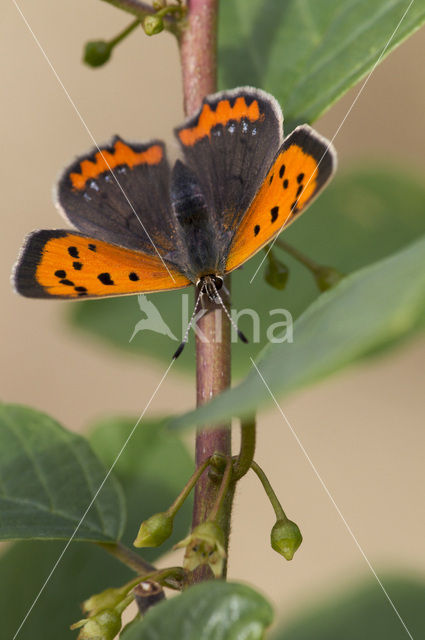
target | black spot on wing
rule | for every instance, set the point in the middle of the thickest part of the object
(256, 229)
(105, 278)
(73, 252)
(274, 213)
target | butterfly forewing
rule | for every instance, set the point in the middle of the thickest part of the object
(67, 264)
(229, 144)
(121, 194)
(301, 168)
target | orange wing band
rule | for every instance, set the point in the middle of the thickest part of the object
(106, 160)
(289, 185)
(209, 118)
(75, 266)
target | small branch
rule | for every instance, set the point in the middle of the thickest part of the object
(143, 569)
(178, 502)
(142, 9)
(277, 507)
(126, 32)
(135, 7)
(247, 449)
(128, 557)
(326, 277)
(223, 491)
(147, 595)
(307, 262)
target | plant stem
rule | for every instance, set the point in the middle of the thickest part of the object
(307, 262)
(172, 510)
(247, 449)
(128, 557)
(223, 491)
(137, 8)
(124, 33)
(142, 9)
(198, 48)
(140, 566)
(280, 514)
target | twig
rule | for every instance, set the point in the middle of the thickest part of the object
(247, 449)
(198, 45)
(128, 557)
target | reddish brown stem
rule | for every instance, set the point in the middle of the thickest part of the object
(198, 48)
(212, 377)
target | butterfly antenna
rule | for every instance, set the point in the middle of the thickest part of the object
(186, 335)
(241, 335)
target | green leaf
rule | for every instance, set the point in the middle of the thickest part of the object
(48, 478)
(308, 53)
(361, 217)
(363, 612)
(212, 610)
(151, 470)
(363, 313)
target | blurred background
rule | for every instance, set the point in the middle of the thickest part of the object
(363, 430)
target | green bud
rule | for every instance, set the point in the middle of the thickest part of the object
(103, 626)
(155, 530)
(277, 273)
(153, 24)
(107, 599)
(327, 277)
(205, 545)
(96, 53)
(285, 538)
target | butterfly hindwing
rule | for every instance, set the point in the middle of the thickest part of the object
(68, 264)
(229, 144)
(301, 168)
(120, 194)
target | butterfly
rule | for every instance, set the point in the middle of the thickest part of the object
(142, 227)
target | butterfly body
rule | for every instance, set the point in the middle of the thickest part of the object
(195, 224)
(141, 226)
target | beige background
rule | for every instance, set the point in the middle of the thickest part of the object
(363, 430)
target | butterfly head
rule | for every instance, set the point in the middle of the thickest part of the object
(210, 285)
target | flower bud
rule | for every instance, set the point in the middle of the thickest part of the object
(96, 53)
(285, 538)
(276, 273)
(103, 626)
(153, 24)
(107, 599)
(205, 545)
(327, 277)
(155, 530)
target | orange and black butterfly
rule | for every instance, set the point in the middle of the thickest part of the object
(143, 227)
